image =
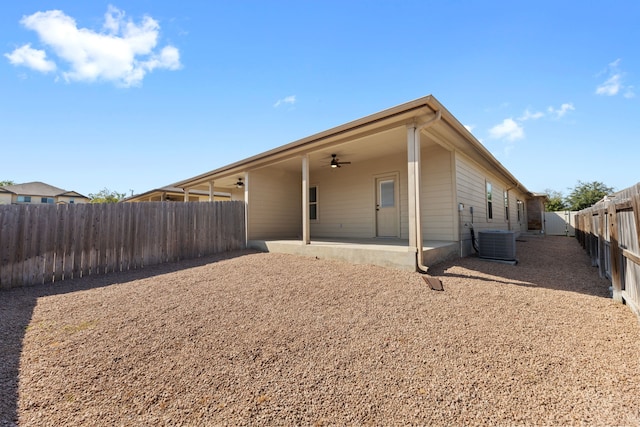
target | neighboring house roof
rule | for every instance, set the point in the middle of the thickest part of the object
(72, 194)
(386, 119)
(38, 188)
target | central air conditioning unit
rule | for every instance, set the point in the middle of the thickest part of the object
(497, 244)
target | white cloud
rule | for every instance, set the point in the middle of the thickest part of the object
(528, 115)
(112, 20)
(124, 53)
(469, 128)
(611, 86)
(287, 100)
(32, 58)
(629, 93)
(614, 83)
(560, 112)
(509, 129)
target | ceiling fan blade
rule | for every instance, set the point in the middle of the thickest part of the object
(336, 163)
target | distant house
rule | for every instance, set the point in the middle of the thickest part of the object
(39, 193)
(176, 194)
(403, 187)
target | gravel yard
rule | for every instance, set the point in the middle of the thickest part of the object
(270, 339)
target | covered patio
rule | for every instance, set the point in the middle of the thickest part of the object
(384, 252)
(399, 188)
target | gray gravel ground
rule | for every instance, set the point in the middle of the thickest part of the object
(271, 339)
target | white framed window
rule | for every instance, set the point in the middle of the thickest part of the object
(489, 201)
(48, 200)
(520, 210)
(506, 206)
(24, 199)
(313, 203)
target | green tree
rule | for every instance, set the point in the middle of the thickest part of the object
(586, 194)
(7, 182)
(106, 196)
(556, 201)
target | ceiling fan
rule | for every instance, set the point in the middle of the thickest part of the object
(336, 163)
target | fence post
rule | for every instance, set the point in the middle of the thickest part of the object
(601, 244)
(616, 279)
(635, 203)
(8, 231)
(578, 225)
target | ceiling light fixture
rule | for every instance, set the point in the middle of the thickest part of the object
(239, 184)
(336, 163)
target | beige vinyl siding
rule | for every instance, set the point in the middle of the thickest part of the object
(76, 200)
(514, 196)
(471, 181)
(237, 194)
(471, 191)
(275, 204)
(5, 198)
(437, 195)
(346, 197)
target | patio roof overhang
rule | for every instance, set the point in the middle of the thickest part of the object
(449, 132)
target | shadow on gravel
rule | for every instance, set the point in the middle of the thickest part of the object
(16, 310)
(551, 262)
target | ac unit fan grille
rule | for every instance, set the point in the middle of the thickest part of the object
(497, 244)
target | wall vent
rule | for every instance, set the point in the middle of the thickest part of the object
(497, 244)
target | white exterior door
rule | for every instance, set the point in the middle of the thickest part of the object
(387, 224)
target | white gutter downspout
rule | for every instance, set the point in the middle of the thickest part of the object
(418, 178)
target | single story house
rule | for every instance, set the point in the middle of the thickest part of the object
(402, 188)
(39, 193)
(176, 194)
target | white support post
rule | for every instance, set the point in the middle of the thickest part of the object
(246, 209)
(211, 192)
(418, 185)
(186, 194)
(411, 188)
(306, 233)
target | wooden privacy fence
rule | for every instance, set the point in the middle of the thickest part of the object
(609, 233)
(48, 243)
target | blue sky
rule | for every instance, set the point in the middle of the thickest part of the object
(135, 95)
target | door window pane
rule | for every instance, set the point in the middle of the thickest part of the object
(387, 194)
